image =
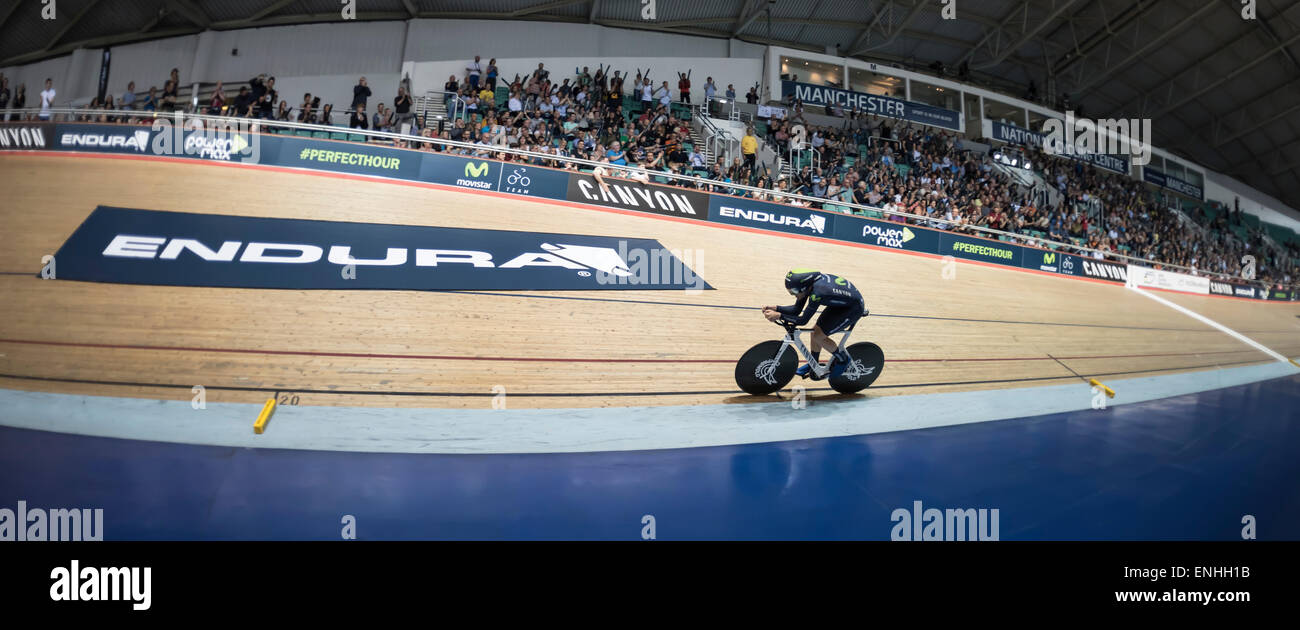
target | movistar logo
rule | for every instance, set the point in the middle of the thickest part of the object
(473, 173)
(1049, 258)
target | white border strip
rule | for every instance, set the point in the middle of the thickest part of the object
(1197, 316)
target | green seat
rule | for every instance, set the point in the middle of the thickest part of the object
(334, 135)
(324, 135)
(303, 133)
(354, 137)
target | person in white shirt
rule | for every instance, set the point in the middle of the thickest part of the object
(664, 95)
(47, 99)
(709, 89)
(473, 69)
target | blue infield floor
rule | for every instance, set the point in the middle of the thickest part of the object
(1185, 467)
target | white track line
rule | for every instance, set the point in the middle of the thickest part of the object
(1194, 315)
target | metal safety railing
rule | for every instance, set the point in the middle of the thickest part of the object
(258, 125)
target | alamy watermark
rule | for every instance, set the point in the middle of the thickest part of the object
(637, 266)
(51, 525)
(921, 523)
(1109, 136)
(227, 139)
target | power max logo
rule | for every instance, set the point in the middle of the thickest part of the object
(174, 248)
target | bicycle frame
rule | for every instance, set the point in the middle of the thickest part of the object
(792, 340)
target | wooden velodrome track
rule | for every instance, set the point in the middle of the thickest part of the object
(985, 327)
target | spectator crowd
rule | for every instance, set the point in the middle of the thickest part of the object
(634, 128)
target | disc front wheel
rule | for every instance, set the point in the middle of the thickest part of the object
(759, 372)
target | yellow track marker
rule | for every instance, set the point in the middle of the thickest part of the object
(265, 416)
(1110, 393)
(1293, 362)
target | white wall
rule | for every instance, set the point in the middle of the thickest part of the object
(444, 40)
(741, 72)
(34, 75)
(442, 47)
(1224, 189)
(149, 64)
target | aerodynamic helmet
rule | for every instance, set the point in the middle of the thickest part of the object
(799, 280)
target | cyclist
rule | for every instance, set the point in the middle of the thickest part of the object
(844, 306)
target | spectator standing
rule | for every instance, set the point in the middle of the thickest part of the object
(168, 103)
(647, 95)
(358, 119)
(752, 97)
(749, 147)
(731, 92)
(266, 104)
(360, 92)
(402, 107)
(217, 105)
(4, 92)
(473, 70)
(128, 97)
(19, 101)
(710, 90)
(684, 86)
(47, 99)
(492, 73)
(449, 90)
(664, 95)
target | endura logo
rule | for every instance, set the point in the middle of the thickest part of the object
(138, 140)
(575, 257)
(816, 222)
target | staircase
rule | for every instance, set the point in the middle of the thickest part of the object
(430, 106)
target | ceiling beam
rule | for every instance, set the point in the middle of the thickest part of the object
(73, 22)
(545, 6)
(411, 9)
(1229, 76)
(191, 12)
(995, 29)
(1191, 68)
(917, 6)
(1152, 43)
(1028, 35)
(861, 38)
(1105, 34)
(8, 10)
(595, 7)
(275, 6)
(95, 42)
(748, 13)
(1241, 132)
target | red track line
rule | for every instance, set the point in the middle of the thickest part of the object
(367, 355)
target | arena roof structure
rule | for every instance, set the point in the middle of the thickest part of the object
(1221, 90)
